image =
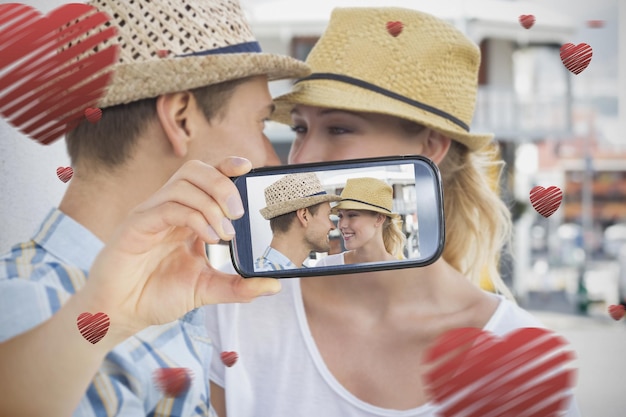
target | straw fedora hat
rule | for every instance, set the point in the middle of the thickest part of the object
(393, 61)
(293, 192)
(207, 42)
(367, 194)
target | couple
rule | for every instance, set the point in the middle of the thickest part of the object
(298, 209)
(152, 186)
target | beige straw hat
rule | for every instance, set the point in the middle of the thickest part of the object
(367, 194)
(293, 192)
(206, 41)
(393, 61)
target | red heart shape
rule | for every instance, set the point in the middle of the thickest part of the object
(172, 381)
(395, 28)
(93, 327)
(527, 20)
(93, 114)
(546, 201)
(595, 24)
(576, 57)
(475, 374)
(617, 311)
(45, 83)
(65, 173)
(163, 53)
(229, 358)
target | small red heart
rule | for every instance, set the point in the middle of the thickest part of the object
(172, 381)
(163, 53)
(395, 28)
(546, 201)
(45, 85)
(617, 311)
(229, 358)
(576, 57)
(93, 327)
(527, 20)
(470, 372)
(595, 24)
(65, 173)
(93, 114)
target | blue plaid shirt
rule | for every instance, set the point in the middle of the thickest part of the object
(38, 276)
(272, 260)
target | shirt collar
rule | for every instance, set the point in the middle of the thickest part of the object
(278, 258)
(68, 240)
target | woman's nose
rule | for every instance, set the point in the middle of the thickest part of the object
(306, 150)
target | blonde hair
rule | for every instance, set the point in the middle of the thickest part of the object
(478, 223)
(393, 237)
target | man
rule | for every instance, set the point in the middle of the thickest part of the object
(150, 187)
(299, 213)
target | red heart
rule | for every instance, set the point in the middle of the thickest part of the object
(163, 53)
(93, 327)
(173, 381)
(546, 201)
(65, 173)
(576, 57)
(617, 311)
(45, 84)
(527, 20)
(473, 373)
(229, 358)
(395, 28)
(93, 114)
(595, 24)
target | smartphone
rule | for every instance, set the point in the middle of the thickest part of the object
(272, 193)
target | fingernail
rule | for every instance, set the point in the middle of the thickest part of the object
(267, 294)
(238, 161)
(212, 233)
(234, 206)
(228, 227)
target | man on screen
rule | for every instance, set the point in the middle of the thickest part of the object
(298, 209)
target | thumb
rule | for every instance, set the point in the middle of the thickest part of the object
(234, 166)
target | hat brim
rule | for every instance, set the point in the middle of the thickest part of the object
(355, 205)
(285, 207)
(148, 79)
(343, 96)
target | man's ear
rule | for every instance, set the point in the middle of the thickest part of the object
(174, 112)
(436, 146)
(303, 216)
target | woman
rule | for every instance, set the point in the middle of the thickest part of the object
(367, 224)
(385, 81)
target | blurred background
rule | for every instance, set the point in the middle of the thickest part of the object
(554, 128)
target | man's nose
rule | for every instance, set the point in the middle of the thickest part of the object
(271, 157)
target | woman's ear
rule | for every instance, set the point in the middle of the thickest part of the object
(380, 219)
(174, 112)
(436, 146)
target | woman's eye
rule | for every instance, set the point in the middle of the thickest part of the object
(298, 129)
(338, 130)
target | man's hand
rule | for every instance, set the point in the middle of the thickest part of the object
(154, 268)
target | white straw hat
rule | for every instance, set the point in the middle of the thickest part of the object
(367, 194)
(393, 61)
(208, 42)
(293, 192)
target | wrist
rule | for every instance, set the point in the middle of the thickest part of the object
(99, 320)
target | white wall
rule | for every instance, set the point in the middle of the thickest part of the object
(30, 186)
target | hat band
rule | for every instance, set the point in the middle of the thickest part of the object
(385, 92)
(320, 193)
(230, 49)
(366, 203)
